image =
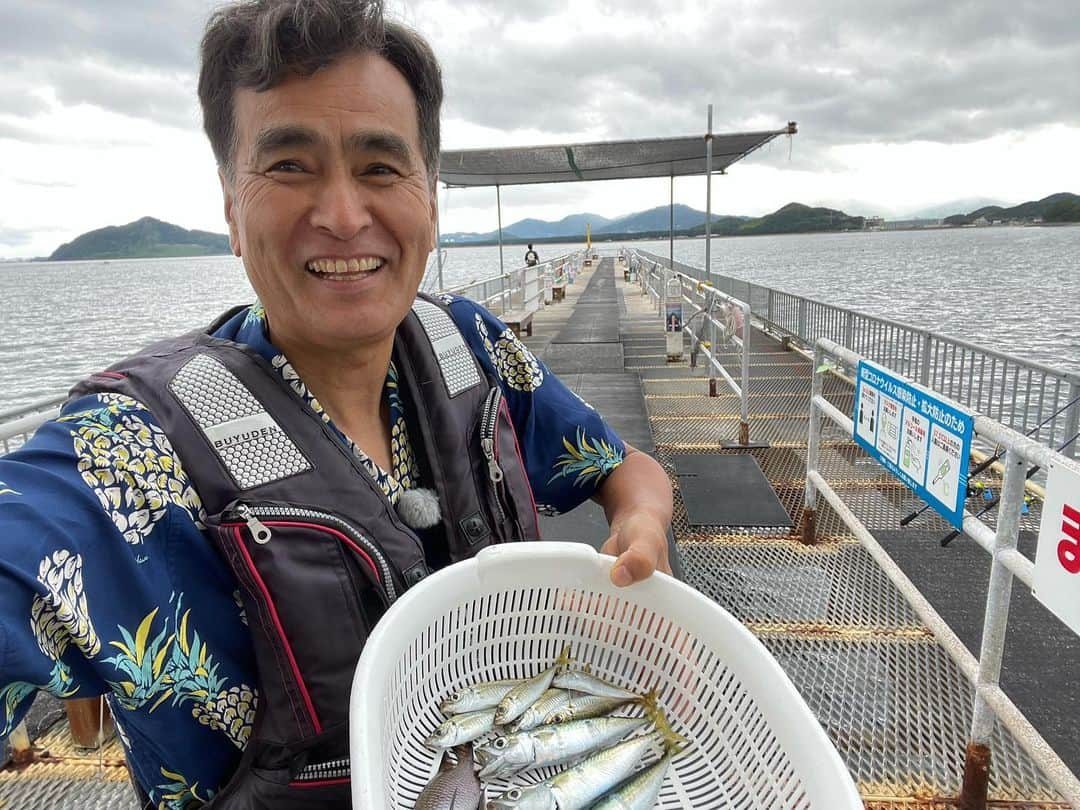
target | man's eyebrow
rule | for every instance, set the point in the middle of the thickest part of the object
(389, 143)
(270, 140)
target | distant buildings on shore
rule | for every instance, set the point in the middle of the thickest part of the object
(882, 224)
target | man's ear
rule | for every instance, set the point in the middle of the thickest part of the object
(228, 197)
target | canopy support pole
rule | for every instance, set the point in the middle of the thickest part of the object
(671, 226)
(438, 240)
(502, 269)
(708, 199)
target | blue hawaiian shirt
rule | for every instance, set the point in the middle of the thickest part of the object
(108, 586)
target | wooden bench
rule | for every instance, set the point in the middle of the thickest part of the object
(519, 319)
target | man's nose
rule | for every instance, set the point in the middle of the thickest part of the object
(342, 206)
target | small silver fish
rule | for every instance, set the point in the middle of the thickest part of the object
(551, 701)
(476, 697)
(581, 681)
(552, 745)
(579, 786)
(462, 728)
(526, 693)
(584, 707)
(641, 791)
(455, 786)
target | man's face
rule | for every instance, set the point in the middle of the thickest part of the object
(330, 206)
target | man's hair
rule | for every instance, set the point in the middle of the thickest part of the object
(259, 44)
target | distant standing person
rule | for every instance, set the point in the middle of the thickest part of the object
(531, 257)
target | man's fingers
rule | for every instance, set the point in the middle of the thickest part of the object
(635, 564)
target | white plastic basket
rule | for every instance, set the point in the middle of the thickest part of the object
(509, 611)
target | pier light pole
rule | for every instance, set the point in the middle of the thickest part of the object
(502, 270)
(438, 241)
(671, 226)
(708, 198)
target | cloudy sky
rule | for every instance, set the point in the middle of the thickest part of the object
(901, 106)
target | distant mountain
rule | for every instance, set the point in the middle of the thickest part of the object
(949, 208)
(143, 238)
(652, 221)
(792, 218)
(658, 219)
(1062, 207)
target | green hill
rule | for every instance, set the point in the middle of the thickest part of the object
(1062, 207)
(792, 218)
(144, 238)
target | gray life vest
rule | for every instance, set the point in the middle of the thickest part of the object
(315, 545)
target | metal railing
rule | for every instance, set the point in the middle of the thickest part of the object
(1015, 392)
(725, 318)
(1007, 561)
(514, 290)
(18, 424)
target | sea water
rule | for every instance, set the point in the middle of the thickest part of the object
(1015, 290)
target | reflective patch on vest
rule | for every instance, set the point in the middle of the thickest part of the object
(456, 361)
(251, 445)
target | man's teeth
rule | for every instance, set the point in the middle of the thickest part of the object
(344, 265)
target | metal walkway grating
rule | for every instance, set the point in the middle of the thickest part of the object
(897, 707)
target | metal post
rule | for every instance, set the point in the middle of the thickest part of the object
(809, 512)
(744, 408)
(996, 617)
(438, 240)
(502, 269)
(708, 198)
(924, 361)
(671, 224)
(1072, 418)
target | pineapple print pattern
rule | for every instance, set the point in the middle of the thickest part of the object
(130, 466)
(178, 665)
(513, 361)
(231, 711)
(177, 794)
(256, 315)
(589, 461)
(60, 617)
(403, 474)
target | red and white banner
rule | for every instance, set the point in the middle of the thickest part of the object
(1057, 560)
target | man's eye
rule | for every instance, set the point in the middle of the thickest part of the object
(380, 170)
(286, 166)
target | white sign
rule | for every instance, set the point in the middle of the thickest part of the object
(1057, 559)
(916, 434)
(888, 438)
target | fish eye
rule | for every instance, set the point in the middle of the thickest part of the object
(454, 696)
(514, 794)
(500, 742)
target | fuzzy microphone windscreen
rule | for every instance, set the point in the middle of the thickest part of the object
(418, 508)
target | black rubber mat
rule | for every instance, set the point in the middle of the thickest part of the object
(728, 490)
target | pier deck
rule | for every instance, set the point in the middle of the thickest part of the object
(896, 706)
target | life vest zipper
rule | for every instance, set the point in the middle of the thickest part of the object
(262, 534)
(489, 421)
(324, 771)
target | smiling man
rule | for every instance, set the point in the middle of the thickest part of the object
(212, 527)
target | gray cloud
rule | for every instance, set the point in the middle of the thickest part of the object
(848, 71)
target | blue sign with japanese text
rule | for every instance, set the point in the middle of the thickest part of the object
(922, 440)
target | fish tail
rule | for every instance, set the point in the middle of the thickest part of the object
(564, 660)
(673, 743)
(650, 701)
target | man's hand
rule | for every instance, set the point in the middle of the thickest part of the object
(640, 543)
(637, 502)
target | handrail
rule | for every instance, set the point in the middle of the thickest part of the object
(20, 423)
(1006, 562)
(707, 300)
(1018, 393)
(499, 292)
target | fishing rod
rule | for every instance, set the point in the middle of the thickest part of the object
(904, 521)
(995, 501)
